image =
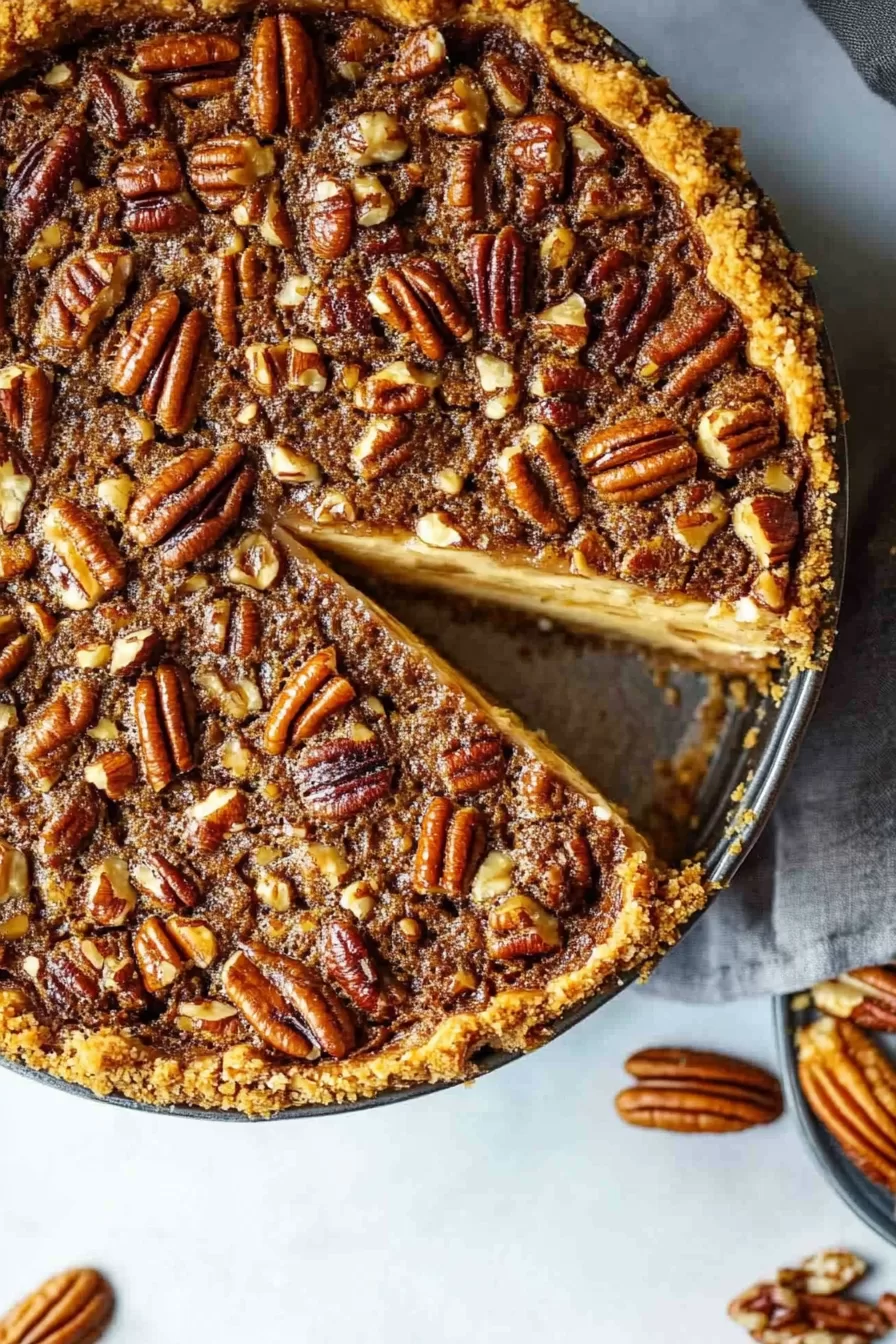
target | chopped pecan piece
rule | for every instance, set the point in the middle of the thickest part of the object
(703, 514)
(121, 103)
(508, 83)
(15, 487)
(192, 503)
(342, 777)
(768, 525)
(70, 1308)
(285, 78)
(86, 291)
(501, 384)
(223, 168)
(16, 558)
(375, 137)
(697, 1091)
(537, 150)
(415, 298)
(566, 322)
(451, 843)
(263, 206)
(113, 773)
(731, 436)
(520, 927)
(537, 445)
(383, 446)
(133, 650)
(347, 960)
(110, 898)
(497, 278)
(395, 389)
(220, 814)
(331, 216)
(70, 827)
(16, 646)
(357, 47)
(161, 712)
(610, 196)
(26, 398)
(473, 767)
(159, 880)
(866, 996)
(459, 108)
(637, 460)
(91, 566)
(824, 1273)
(308, 697)
(421, 53)
(40, 178)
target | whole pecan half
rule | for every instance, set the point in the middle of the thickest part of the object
(323, 1015)
(415, 298)
(383, 446)
(144, 342)
(70, 1308)
(331, 217)
(695, 314)
(285, 77)
(539, 480)
(223, 168)
(184, 51)
(474, 766)
(522, 927)
(347, 959)
(497, 263)
(851, 1087)
(90, 565)
(637, 460)
(162, 714)
(85, 291)
(537, 150)
(450, 845)
(121, 103)
(40, 178)
(53, 733)
(307, 698)
(26, 399)
(192, 503)
(697, 1091)
(465, 185)
(768, 525)
(16, 646)
(70, 826)
(152, 185)
(866, 996)
(342, 777)
(171, 388)
(165, 884)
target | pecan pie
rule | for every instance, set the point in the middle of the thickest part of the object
(451, 290)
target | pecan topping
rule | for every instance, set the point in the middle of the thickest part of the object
(234, 627)
(866, 996)
(223, 168)
(161, 713)
(695, 315)
(87, 290)
(285, 79)
(465, 185)
(415, 298)
(768, 525)
(851, 1087)
(537, 150)
(53, 733)
(459, 108)
(321, 1014)
(121, 103)
(71, 1308)
(474, 767)
(636, 460)
(566, 322)
(40, 178)
(144, 343)
(383, 446)
(191, 504)
(524, 489)
(157, 957)
(26, 398)
(263, 206)
(308, 697)
(331, 217)
(703, 514)
(501, 384)
(422, 53)
(451, 843)
(171, 388)
(696, 1091)
(152, 187)
(348, 961)
(497, 278)
(395, 389)
(507, 82)
(220, 814)
(16, 558)
(16, 646)
(162, 882)
(610, 196)
(113, 773)
(375, 137)
(731, 436)
(133, 650)
(226, 300)
(70, 827)
(92, 566)
(342, 777)
(184, 51)
(693, 372)
(110, 897)
(520, 927)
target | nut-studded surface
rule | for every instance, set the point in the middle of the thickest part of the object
(404, 282)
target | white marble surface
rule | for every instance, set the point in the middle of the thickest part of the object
(519, 1209)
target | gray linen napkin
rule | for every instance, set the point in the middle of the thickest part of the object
(867, 29)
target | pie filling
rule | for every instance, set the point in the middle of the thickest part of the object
(411, 292)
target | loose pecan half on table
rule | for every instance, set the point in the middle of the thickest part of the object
(697, 1092)
(71, 1308)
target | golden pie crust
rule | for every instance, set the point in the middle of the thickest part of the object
(750, 264)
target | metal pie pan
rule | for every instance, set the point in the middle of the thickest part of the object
(872, 1203)
(775, 733)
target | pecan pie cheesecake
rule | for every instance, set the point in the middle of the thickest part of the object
(451, 290)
